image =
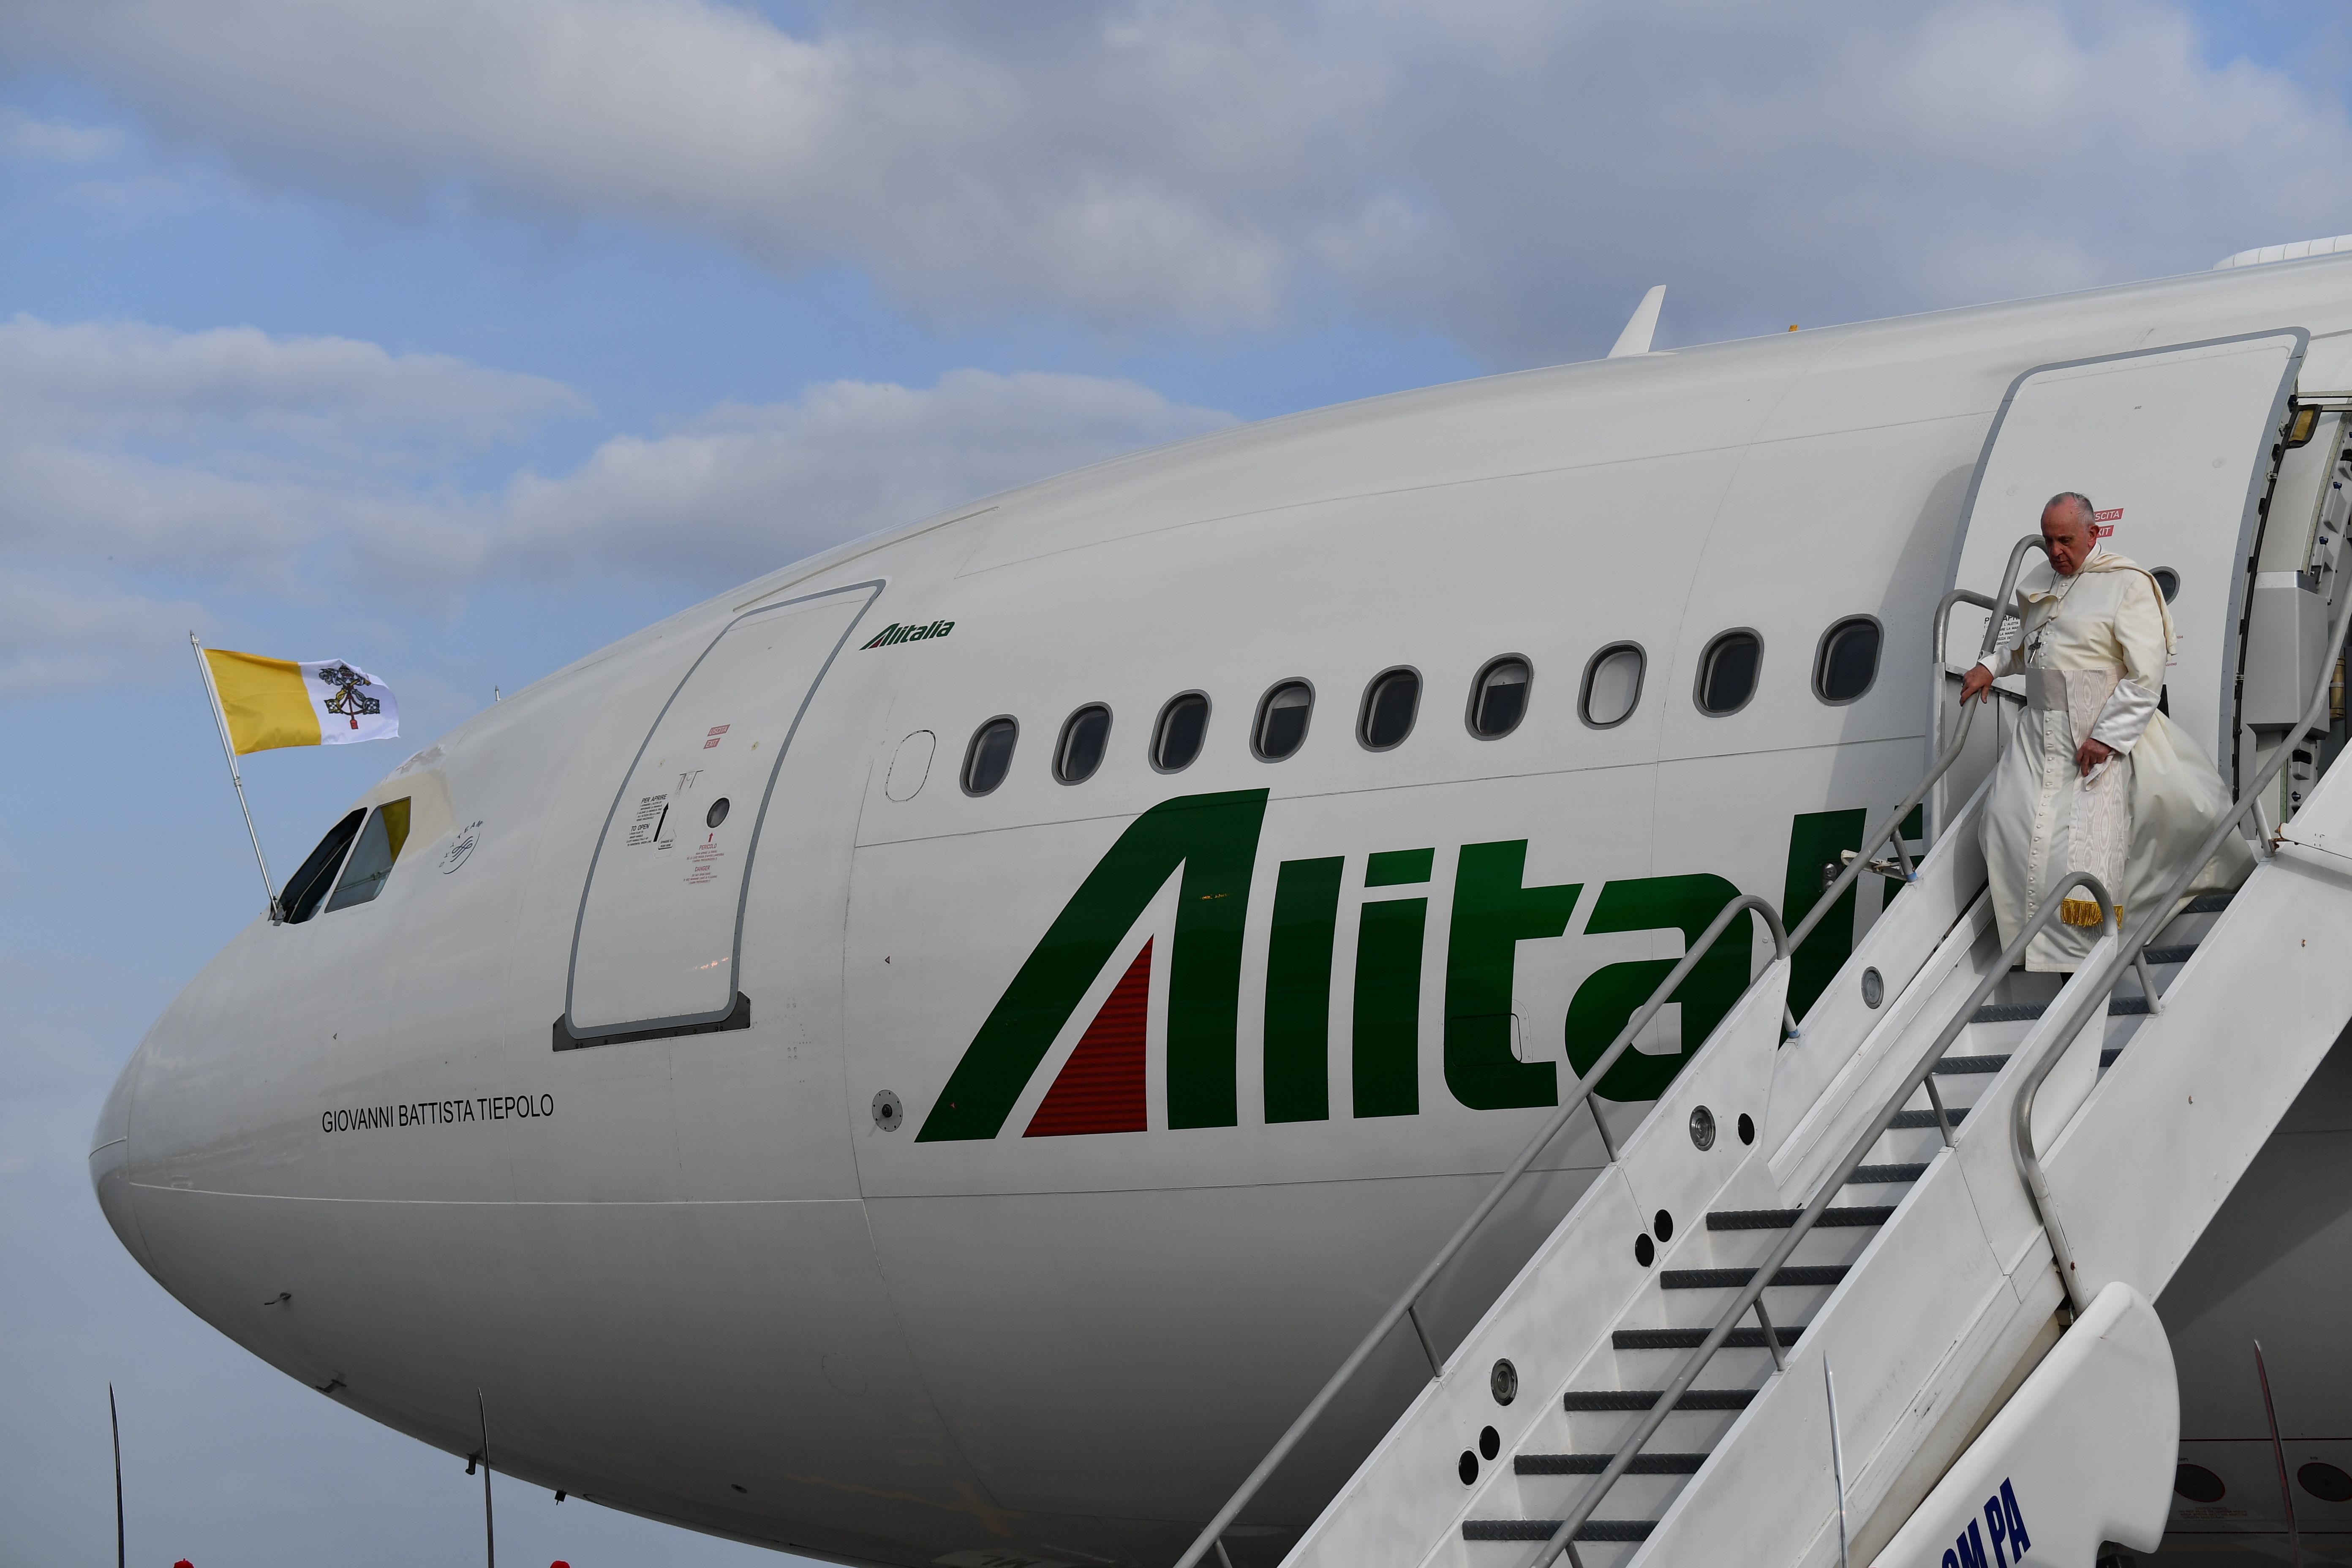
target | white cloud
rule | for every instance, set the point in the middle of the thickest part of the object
(1510, 173)
(35, 140)
(52, 639)
(229, 462)
(750, 489)
(129, 379)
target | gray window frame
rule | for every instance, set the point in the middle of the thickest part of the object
(1592, 667)
(972, 753)
(1364, 707)
(1257, 722)
(1477, 684)
(1160, 726)
(1062, 742)
(1706, 660)
(1822, 659)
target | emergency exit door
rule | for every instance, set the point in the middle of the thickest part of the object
(658, 945)
(2173, 447)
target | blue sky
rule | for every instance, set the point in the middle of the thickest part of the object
(457, 343)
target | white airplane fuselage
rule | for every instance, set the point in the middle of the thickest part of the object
(1017, 1183)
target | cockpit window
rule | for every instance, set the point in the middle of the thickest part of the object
(307, 886)
(371, 863)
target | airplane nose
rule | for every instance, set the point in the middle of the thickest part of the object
(109, 1160)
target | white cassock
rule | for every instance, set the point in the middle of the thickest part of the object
(2092, 648)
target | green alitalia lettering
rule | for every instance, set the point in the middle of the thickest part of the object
(1492, 915)
(1298, 990)
(1387, 1064)
(1610, 996)
(1213, 838)
(1398, 868)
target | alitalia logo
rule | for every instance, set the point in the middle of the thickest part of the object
(1208, 843)
(895, 632)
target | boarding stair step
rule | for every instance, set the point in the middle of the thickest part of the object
(1691, 1339)
(1542, 1529)
(1593, 1464)
(1882, 1176)
(1910, 1120)
(1963, 1066)
(1782, 1219)
(2026, 1012)
(1790, 1274)
(1584, 1400)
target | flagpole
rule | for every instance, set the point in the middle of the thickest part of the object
(268, 890)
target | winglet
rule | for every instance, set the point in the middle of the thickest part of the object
(1635, 338)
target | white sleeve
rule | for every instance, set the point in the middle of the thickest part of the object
(2125, 717)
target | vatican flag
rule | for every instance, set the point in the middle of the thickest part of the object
(270, 703)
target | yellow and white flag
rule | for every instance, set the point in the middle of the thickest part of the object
(271, 703)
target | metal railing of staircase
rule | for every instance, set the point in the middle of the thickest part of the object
(1889, 830)
(1751, 1295)
(1405, 1308)
(2132, 952)
(1784, 942)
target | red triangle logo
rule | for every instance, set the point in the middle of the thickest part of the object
(1100, 1087)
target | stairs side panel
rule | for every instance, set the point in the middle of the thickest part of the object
(1404, 1504)
(2190, 1104)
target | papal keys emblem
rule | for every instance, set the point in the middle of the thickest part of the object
(348, 701)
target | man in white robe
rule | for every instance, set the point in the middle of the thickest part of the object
(2091, 777)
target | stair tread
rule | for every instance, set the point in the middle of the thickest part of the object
(1728, 1279)
(2170, 954)
(2026, 1012)
(1906, 1121)
(1593, 1464)
(1964, 1065)
(1690, 1338)
(1878, 1176)
(1587, 1400)
(1782, 1219)
(1542, 1529)
(2209, 904)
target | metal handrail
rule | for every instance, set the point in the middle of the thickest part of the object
(1888, 828)
(1751, 1295)
(1403, 1308)
(1784, 943)
(2131, 954)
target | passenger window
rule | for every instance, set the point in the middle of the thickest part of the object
(1079, 753)
(1176, 739)
(1726, 672)
(1612, 686)
(2167, 582)
(371, 863)
(989, 756)
(1498, 697)
(1848, 661)
(1282, 721)
(307, 886)
(1391, 701)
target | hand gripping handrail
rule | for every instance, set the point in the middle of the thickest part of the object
(1751, 1295)
(2127, 955)
(1889, 828)
(1582, 1096)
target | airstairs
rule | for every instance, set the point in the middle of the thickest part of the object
(1953, 1191)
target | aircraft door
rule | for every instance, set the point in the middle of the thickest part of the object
(657, 949)
(2173, 447)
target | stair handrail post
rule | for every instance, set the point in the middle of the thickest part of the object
(1630, 1447)
(1577, 1099)
(1891, 828)
(2144, 928)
